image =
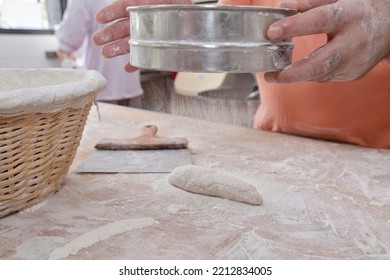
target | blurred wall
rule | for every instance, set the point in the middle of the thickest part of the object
(28, 51)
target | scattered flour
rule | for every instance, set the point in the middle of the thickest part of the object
(176, 208)
(100, 234)
(35, 207)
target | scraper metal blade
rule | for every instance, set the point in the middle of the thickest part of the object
(143, 154)
(139, 161)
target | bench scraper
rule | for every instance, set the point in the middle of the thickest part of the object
(143, 154)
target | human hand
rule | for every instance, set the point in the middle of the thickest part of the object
(63, 55)
(115, 37)
(358, 38)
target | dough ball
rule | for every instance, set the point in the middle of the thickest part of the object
(208, 181)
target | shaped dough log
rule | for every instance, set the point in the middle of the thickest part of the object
(211, 182)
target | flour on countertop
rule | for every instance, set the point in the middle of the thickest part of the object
(99, 234)
(176, 208)
(35, 207)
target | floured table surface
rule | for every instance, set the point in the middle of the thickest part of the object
(322, 200)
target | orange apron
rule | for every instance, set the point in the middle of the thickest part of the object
(356, 112)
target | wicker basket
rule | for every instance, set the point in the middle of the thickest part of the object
(42, 117)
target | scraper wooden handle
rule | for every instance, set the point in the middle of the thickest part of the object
(149, 130)
(146, 141)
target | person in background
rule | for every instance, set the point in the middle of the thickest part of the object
(74, 36)
(53, 10)
(340, 68)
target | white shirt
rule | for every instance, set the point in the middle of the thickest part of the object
(76, 28)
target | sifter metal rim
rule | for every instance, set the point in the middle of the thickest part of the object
(208, 7)
(211, 46)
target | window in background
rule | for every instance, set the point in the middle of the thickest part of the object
(25, 15)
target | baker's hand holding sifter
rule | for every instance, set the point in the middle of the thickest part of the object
(357, 32)
(358, 38)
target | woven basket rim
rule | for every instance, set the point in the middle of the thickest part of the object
(68, 88)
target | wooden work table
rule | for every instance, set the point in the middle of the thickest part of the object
(322, 200)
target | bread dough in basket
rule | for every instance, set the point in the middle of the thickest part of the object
(47, 90)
